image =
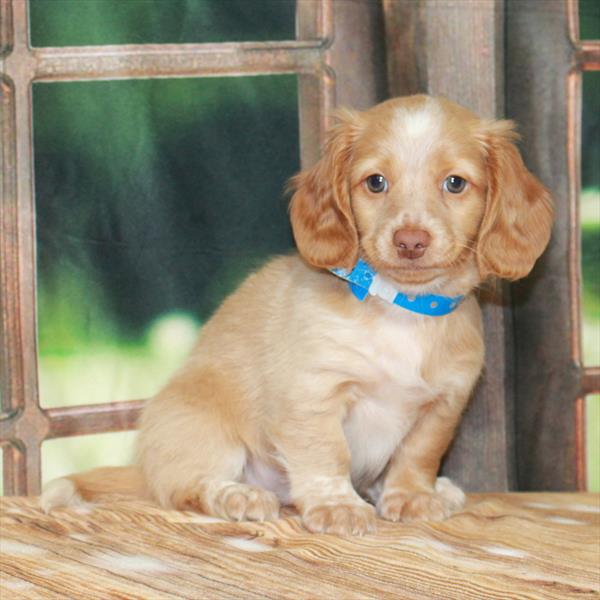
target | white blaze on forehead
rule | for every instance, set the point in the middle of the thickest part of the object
(420, 121)
(415, 130)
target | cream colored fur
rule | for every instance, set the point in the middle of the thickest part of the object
(298, 393)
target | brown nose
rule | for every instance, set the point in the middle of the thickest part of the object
(411, 243)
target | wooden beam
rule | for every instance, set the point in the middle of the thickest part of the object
(547, 376)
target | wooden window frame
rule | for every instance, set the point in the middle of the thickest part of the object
(585, 56)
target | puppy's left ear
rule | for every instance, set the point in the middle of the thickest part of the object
(517, 221)
(320, 210)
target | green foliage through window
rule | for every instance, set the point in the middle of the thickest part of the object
(152, 197)
(95, 22)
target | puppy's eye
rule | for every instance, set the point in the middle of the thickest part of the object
(455, 184)
(377, 183)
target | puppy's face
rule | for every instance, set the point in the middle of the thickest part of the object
(418, 189)
(422, 189)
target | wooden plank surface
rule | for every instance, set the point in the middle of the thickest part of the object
(502, 546)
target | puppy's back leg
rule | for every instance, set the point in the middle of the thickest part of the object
(192, 454)
(230, 500)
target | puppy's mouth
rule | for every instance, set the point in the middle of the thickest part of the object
(417, 271)
(449, 260)
(411, 265)
(408, 271)
(411, 273)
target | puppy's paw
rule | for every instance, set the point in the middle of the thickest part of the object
(345, 518)
(400, 505)
(450, 492)
(241, 502)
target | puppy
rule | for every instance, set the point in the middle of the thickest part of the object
(341, 398)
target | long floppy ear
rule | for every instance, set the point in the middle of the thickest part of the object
(320, 209)
(517, 222)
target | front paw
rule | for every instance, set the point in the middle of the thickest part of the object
(437, 505)
(349, 518)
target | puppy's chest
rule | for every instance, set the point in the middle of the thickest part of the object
(391, 356)
(388, 396)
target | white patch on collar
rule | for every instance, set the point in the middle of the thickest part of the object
(383, 289)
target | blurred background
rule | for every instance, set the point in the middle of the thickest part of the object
(156, 197)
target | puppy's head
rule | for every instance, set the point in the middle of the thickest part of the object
(426, 192)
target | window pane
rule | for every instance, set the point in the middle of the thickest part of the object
(590, 218)
(589, 19)
(95, 22)
(154, 199)
(592, 418)
(72, 455)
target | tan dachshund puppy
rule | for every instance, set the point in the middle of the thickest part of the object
(299, 393)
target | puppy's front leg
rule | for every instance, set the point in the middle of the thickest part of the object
(318, 462)
(411, 489)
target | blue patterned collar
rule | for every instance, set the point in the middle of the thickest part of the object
(363, 280)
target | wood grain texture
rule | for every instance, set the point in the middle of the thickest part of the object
(453, 48)
(502, 546)
(539, 58)
(358, 54)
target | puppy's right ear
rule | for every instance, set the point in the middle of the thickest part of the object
(321, 214)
